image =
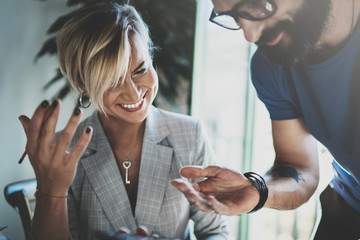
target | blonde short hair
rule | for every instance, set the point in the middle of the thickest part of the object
(94, 49)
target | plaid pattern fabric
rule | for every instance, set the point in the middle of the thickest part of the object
(98, 199)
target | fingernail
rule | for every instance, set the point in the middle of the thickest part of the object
(88, 129)
(54, 103)
(45, 103)
(77, 111)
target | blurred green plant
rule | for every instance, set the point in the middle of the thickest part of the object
(172, 28)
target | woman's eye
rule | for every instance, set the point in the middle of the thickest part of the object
(141, 71)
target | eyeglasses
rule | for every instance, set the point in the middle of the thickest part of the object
(253, 10)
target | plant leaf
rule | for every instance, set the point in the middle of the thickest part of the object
(48, 47)
(56, 78)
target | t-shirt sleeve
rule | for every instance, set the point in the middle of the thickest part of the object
(271, 89)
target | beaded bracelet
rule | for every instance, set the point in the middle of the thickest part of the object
(260, 185)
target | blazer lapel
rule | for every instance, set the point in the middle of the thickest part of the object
(154, 170)
(103, 174)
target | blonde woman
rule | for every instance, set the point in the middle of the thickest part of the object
(120, 161)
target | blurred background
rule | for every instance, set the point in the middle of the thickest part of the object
(203, 71)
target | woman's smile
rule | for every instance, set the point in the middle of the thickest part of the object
(134, 106)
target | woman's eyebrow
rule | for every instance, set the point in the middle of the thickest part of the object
(139, 66)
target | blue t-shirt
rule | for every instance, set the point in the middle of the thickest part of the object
(327, 97)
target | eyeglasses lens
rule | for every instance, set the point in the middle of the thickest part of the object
(253, 10)
(256, 10)
(226, 21)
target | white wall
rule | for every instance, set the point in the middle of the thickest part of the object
(23, 25)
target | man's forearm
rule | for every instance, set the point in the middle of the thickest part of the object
(289, 187)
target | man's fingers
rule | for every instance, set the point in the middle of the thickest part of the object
(81, 145)
(194, 197)
(181, 184)
(199, 201)
(217, 206)
(194, 172)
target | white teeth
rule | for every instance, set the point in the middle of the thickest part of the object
(135, 105)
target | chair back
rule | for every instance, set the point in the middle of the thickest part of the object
(20, 195)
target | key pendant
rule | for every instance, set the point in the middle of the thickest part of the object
(127, 165)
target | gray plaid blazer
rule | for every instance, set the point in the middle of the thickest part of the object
(98, 200)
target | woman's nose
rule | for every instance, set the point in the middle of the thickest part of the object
(131, 91)
(252, 29)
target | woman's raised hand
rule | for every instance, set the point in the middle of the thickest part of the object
(53, 165)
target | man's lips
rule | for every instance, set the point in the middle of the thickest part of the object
(275, 39)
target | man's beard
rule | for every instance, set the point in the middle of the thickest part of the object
(304, 33)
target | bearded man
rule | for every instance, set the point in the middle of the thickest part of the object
(306, 70)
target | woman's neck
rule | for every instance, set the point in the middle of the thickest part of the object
(122, 134)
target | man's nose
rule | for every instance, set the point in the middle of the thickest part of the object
(252, 29)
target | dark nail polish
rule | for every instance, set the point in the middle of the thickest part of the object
(88, 129)
(76, 111)
(45, 103)
(54, 104)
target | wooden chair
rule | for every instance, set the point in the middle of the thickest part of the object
(20, 195)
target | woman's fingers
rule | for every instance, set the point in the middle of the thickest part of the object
(142, 231)
(67, 134)
(80, 146)
(34, 127)
(47, 133)
(123, 230)
(25, 121)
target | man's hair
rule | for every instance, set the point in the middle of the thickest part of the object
(94, 48)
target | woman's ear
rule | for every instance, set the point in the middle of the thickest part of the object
(82, 89)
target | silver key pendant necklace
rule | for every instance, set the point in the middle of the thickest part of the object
(127, 164)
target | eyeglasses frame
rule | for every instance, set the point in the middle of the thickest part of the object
(235, 14)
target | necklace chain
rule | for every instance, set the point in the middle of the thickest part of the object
(127, 162)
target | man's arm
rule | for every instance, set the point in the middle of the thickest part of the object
(291, 181)
(295, 174)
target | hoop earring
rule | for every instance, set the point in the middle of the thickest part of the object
(83, 103)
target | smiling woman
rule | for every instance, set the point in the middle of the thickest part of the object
(174, 61)
(106, 181)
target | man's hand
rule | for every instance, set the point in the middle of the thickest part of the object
(224, 191)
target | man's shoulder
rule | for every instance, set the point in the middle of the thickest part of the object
(263, 72)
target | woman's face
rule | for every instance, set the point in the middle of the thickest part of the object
(130, 102)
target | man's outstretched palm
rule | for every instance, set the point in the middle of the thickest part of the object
(224, 191)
